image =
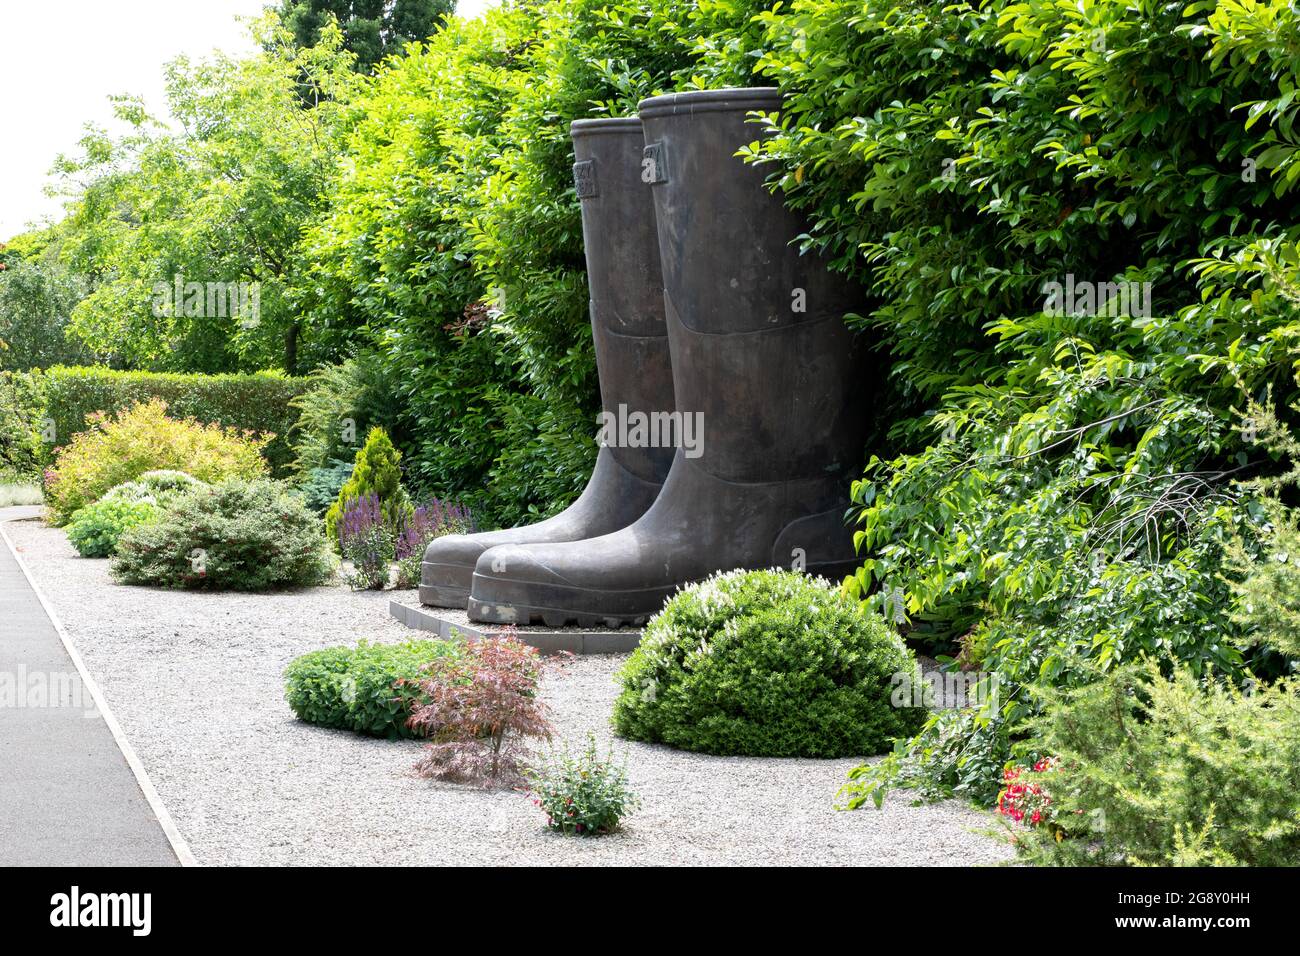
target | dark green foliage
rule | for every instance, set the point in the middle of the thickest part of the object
(768, 663)
(235, 535)
(1066, 487)
(356, 688)
(95, 529)
(337, 408)
(1056, 486)
(392, 252)
(1172, 771)
(22, 430)
(259, 403)
(372, 29)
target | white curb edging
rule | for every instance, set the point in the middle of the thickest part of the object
(178, 844)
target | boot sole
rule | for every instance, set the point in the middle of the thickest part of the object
(524, 615)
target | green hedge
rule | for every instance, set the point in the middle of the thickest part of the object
(258, 402)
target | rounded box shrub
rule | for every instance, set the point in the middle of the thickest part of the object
(767, 664)
(95, 529)
(235, 535)
(357, 688)
(139, 440)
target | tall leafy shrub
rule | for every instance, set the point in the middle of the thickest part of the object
(1057, 484)
(23, 430)
(392, 254)
(454, 237)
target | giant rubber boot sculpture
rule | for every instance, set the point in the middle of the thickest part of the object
(760, 350)
(627, 323)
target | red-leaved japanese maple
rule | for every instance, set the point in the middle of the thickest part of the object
(481, 708)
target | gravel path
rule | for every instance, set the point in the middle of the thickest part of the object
(195, 680)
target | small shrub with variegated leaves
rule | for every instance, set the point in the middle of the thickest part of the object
(234, 535)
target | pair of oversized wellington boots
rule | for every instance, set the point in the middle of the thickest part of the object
(703, 307)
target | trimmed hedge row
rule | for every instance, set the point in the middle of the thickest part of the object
(258, 402)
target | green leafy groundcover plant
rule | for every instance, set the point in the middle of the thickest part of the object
(771, 664)
(95, 529)
(357, 688)
(234, 535)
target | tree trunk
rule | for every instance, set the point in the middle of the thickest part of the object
(291, 349)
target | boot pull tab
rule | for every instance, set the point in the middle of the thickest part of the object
(654, 164)
(584, 179)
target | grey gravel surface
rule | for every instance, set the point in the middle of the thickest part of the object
(195, 681)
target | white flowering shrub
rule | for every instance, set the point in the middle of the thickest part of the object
(767, 663)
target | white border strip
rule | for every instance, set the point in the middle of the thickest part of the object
(178, 844)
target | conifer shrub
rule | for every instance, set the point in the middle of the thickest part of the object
(1156, 770)
(377, 472)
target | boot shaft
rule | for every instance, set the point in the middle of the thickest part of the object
(623, 274)
(757, 330)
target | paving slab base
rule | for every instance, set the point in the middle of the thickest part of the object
(448, 623)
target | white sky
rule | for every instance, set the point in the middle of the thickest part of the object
(63, 58)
